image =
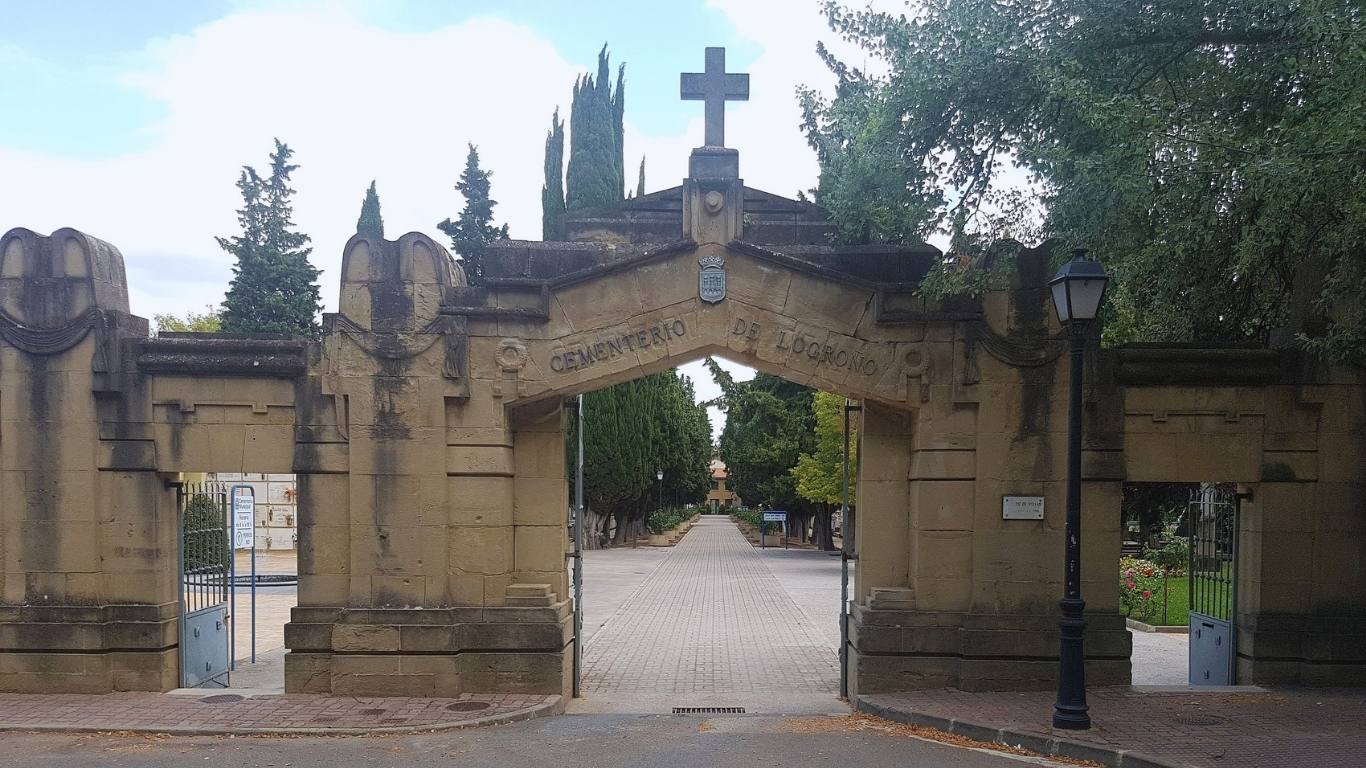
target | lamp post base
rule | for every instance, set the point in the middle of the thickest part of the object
(1070, 712)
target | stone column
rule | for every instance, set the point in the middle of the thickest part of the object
(87, 532)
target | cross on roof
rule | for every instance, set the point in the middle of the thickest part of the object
(714, 87)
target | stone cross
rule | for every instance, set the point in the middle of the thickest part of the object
(715, 87)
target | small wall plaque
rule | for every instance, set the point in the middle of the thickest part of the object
(1021, 507)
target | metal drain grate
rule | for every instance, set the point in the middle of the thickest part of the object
(225, 698)
(468, 706)
(709, 710)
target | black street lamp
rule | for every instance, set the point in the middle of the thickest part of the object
(1078, 289)
(659, 475)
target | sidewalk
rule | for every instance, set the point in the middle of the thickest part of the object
(1147, 727)
(206, 712)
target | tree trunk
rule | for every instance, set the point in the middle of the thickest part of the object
(821, 530)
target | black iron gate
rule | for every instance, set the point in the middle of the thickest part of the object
(1213, 519)
(205, 569)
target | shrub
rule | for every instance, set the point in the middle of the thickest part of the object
(1141, 589)
(1173, 556)
(752, 516)
(662, 520)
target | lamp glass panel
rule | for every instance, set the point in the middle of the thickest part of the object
(1086, 295)
(1060, 301)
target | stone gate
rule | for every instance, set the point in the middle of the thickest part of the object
(427, 432)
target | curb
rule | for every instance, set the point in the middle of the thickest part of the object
(1035, 742)
(547, 709)
(1164, 629)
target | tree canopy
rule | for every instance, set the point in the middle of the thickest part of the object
(597, 174)
(1207, 151)
(552, 189)
(370, 221)
(820, 472)
(472, 232)
(274, 287)
(769, 425)
(208, 321)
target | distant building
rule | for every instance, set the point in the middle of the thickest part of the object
(720, 496)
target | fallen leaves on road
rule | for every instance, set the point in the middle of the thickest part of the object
(865, 723)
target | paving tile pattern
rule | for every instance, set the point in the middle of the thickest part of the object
(711, 618)
(1323, 728)
(173, 712)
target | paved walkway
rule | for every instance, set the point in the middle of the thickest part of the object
(1234, 728)
(225, 711)
(710, 619)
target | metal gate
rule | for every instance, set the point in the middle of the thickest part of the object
(1213, 520)
(205, 569)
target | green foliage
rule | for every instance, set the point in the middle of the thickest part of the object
(640, 180)
(662, 520)
(552, 190)
(752, 516)
(769, 425)
(203, 513)
(1208, 153)
(820, 473)
(1173, 556)
(636, 428)
(472, 232)
(596, 174)
(1140, 589)
(370, 221)
(274, 287)
(208, 321)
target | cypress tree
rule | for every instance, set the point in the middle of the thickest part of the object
(552, 191)
(274, 287)
(370, 221)
(594, 177)
(640, 182)
(472, 232)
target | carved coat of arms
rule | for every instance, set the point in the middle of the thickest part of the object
(711, 279)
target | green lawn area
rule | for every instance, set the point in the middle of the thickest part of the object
(1178, 604)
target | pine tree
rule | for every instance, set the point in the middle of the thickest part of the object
(595, 174)
(473, 231)
(370, 221)
(274, 287)
(552, 191)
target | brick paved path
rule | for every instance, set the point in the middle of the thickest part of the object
(712, 618)
(197, 713)
(1322, 728)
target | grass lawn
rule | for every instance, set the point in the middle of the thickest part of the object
(1178, 604)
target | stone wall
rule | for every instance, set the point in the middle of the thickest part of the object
(426, 432)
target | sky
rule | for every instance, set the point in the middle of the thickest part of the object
(131, 120)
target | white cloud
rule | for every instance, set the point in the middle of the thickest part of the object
(355, 102)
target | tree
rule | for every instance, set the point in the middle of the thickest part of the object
(640, 181)
(631, 431)
(1208, 152)
(208, 321)
(274, 287)
(370, 221)
(596, 174)
(552, 191)
(820, 473)
(474, 230)
(769, 425)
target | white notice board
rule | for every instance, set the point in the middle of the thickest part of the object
(1021, 507)
(243, 518)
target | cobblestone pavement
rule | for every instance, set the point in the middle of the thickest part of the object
(1228, 729)
(223, 711)
(711, 618)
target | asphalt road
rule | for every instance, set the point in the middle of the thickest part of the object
(596, 741)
